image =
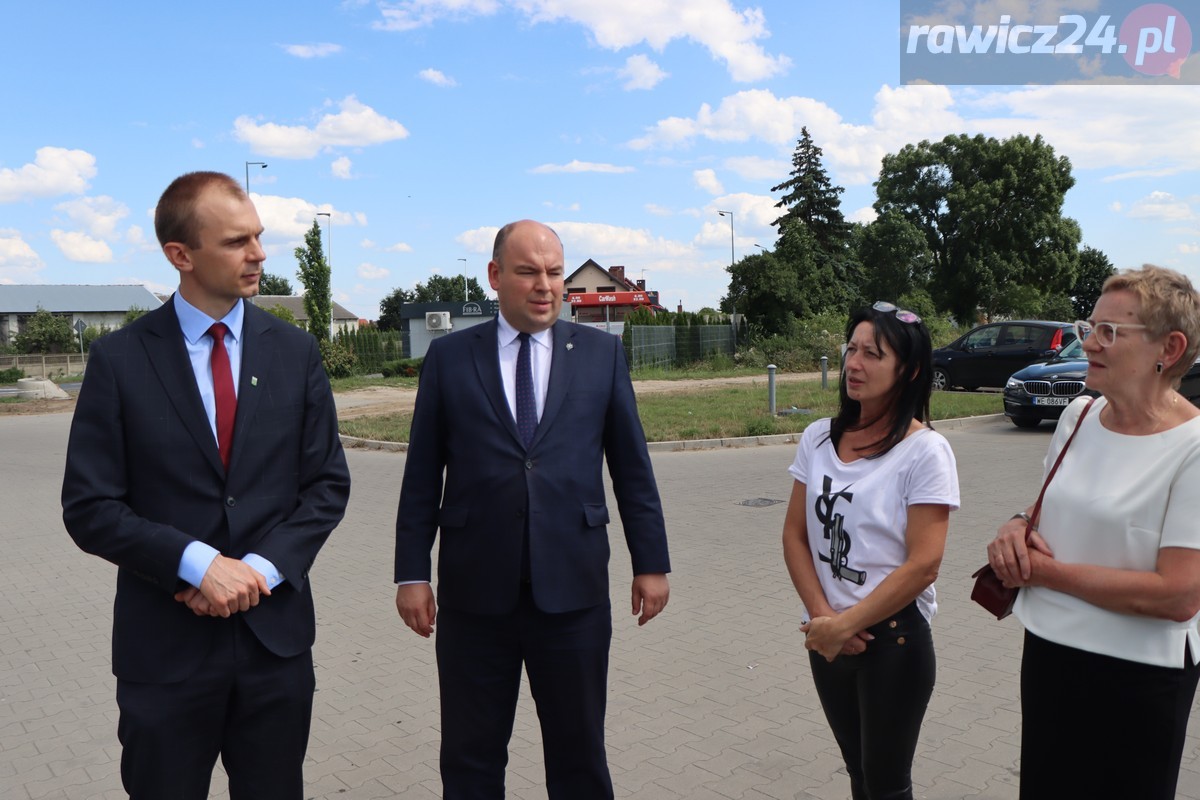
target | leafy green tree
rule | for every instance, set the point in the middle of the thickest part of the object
(284, 313)
(991, 215)
(389, 309)
(313, 273)
(447, 289)
(273, 285)
(895, 258)
(132, 314)
(812, 198)
(46, 333)
(1094, 270)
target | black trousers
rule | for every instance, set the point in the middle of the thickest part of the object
(1100, 727)
(244, 703)
(479, 676)
(875, 703)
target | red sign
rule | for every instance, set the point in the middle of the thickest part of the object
(611, 299)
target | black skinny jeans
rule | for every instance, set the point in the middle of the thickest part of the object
(875, 703)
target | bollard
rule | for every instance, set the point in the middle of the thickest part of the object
(771, 388)
(824, 372)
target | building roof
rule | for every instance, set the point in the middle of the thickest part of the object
(72, 298)
(295, 304)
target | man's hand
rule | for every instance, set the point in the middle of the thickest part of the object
(417, 608)
(231, 586)
(192, 598)
(650, 594)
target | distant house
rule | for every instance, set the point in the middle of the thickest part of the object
(343, 318)
(94, 306)
(604, 297)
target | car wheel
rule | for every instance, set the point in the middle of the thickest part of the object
(1026, 422)
(941, 379)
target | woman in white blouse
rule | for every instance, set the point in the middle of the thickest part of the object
(1110, 578)
(863, 538)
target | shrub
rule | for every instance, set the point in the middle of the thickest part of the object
(404, 368)
(11, 375)
(338, 360)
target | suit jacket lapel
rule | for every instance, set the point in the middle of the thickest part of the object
(562, 369)
(258, 348)
(486, 355)
(169, 360)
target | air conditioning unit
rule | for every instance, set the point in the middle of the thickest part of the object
(437, 320)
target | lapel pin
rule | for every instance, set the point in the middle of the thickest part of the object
(570, 345)
(253, 381)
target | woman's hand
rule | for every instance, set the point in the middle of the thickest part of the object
(1012, 555)
(826, 636)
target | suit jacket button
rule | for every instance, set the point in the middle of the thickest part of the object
(229, 501)
(528, 465)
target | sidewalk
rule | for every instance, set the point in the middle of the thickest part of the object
(711, 701)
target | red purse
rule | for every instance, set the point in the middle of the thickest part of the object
(988, 591)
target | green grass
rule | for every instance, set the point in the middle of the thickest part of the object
(363, 382)
(12, 400)
(724, 412)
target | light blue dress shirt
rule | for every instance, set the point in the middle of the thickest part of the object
(198, 556)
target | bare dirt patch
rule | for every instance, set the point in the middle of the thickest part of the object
(26, 407)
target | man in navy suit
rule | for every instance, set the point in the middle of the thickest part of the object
(512, 424)
(204, 462)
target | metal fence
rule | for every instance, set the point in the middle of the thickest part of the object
(668, 346)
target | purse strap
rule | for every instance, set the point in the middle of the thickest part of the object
(1037, 507)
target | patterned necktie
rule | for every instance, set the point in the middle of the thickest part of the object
(226, 399)
(526, 403)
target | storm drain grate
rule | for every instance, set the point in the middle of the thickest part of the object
(759, 502)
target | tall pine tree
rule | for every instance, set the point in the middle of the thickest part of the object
(811, 198)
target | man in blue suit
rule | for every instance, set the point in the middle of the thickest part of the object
(204, 462)
(512, 424)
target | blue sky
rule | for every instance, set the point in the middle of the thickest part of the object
(421, 126)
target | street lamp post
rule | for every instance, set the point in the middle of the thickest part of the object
(466, 296)
(260, 165)
(329, 262)
(732, 302)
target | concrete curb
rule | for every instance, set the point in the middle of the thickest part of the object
(692, 444)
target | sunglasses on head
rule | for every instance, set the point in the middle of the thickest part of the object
(904, 315)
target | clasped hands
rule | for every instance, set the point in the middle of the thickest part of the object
(1015, 558)
(826, 635)
(229, 586)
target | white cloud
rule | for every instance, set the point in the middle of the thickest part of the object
(19, 263)
(341, 168)
(371, 272)
(54, 171)
(437, 78)
(356, 125)
(729, 35)
(198, 144)
(287, 219)
(865, 215)
(1190, 249)
(755, 168)
(579, 166)
(367, 244)
(312, 50)
(99, 216)
(399, 247)
(1162, 206)
(640, 72)
(78, 246)
(657, 210)
(706, 179)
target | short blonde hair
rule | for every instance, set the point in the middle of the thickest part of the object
(1167, 302)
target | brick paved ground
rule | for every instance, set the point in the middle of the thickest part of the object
(712, 701)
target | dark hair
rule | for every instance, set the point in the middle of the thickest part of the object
(175, 215)
(909, 398)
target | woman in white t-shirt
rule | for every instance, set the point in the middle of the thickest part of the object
(1110, 579)
(863, 538)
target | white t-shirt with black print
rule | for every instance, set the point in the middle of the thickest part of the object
(858, 512)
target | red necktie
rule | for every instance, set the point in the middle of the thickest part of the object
(222, 377)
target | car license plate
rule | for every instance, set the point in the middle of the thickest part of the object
(1051, 401)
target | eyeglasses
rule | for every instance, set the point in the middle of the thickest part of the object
(901, 314)
(1106, 332)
